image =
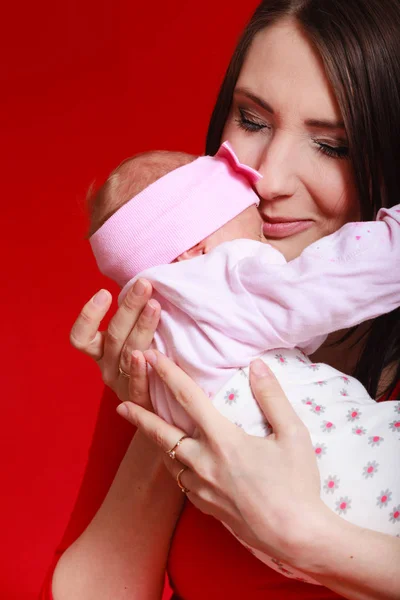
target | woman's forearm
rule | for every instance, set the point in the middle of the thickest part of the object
(122, 553)
(357, 563)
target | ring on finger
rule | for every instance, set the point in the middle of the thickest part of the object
(123, 373)
(179, 482)
(172, 453)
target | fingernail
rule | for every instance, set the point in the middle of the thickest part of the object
(150, 356)
(259, 368)
(122, 410)
(136, 354)
(139, 288)
(101, 298)
(149, 309)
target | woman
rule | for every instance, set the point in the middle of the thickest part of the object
(310, 101)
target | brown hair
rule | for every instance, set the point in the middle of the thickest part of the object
(129, 179)
(359, 43)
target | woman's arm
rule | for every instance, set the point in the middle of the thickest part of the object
(359, 564)
(121, 551)
(267, 489)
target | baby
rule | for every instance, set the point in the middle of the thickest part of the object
(239, 299)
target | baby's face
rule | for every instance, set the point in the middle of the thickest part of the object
(248, 224)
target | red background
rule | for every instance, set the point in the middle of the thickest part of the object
(83, 85)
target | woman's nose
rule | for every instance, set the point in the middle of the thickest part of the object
(279, 167)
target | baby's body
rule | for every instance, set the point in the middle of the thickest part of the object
(242, 300)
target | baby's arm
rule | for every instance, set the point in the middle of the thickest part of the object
(340, 281)
(246, 291)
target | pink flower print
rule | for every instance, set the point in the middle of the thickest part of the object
(320, 450)
(308, 401)
(281, 359)
(314, 367)
(345, 379)
(397, 407)
(344, 392)
(328, 426)
(395, 514)
(320, 383)
(301, 360)
(343, 505)
(359, 430)
(395, 426)
(383, 498)
(353, 414)
(318, 409)
(331, 484)
(375, 440)
(231, 396)
(370, 469)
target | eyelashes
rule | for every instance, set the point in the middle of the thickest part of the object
(251, 124)
(332, 151)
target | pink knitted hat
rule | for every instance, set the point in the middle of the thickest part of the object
(173, 214)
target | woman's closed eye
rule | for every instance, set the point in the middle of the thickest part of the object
(253, 124)
(249, 122)
(341, 151)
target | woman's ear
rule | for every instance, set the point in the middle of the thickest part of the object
(197, 250)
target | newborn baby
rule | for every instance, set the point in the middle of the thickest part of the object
(240, 219)
(238, 299)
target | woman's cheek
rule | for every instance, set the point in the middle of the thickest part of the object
(335, 194)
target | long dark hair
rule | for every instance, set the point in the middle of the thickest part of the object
(359, 43)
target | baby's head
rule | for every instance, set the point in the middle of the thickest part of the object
(160, 207)
(130, 178)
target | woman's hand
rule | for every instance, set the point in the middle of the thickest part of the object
(264, 489)
(131, 328)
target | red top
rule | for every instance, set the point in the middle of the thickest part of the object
(205, 560)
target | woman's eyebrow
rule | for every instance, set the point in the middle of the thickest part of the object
(325, 124)
(320, 123)
(246, 92)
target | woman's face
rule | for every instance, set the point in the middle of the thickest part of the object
(285, 122)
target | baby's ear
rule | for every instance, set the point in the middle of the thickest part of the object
(197, 250)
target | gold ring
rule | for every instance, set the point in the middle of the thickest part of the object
(123, 373)
(178, 480)
(172, 453)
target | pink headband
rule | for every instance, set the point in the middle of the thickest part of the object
(174, 214)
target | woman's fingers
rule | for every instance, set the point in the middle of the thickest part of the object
(143, 332)
(272, 400)
(139, 381)
(189, 395)
(85, 335)
(161, 433)
(122, 324)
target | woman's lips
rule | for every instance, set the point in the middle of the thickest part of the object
(281, 228)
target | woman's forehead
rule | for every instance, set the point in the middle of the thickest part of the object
(283, 68)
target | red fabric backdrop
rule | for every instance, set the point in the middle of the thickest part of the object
(84, 84)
